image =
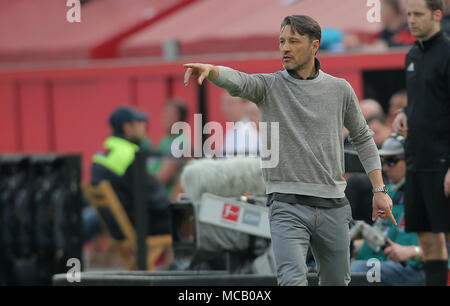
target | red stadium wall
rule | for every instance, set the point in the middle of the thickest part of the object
(65, 110)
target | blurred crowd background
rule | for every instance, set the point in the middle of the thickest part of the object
(61, 79)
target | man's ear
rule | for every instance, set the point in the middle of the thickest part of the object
(437, 15)
(126, 127)
(315, 45)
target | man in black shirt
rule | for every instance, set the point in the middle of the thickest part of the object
(426, 121)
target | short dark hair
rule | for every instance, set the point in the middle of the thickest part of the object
(303, 25)
(180, 107)
(434, 5)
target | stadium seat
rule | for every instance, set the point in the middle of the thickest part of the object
(113, 217)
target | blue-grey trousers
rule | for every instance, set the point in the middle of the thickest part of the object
(295, 228)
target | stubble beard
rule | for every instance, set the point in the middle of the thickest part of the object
(297, 67)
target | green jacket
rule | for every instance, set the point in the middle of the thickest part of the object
(154, 164)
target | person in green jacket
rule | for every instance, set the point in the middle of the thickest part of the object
(400, 260)
(166, 167)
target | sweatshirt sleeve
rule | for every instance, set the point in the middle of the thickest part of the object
(361, 136)
(252, 87)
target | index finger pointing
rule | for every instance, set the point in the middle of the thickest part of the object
(391, 217)
(190, 65)
(187, 75)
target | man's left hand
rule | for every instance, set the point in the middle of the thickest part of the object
(382, 207)
(447, 184)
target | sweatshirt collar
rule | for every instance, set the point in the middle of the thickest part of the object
(425, 45)
(317, 65)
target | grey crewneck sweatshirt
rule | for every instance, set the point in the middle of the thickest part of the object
(311, 114)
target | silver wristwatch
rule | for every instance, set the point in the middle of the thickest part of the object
(417, 250)
(380, 189)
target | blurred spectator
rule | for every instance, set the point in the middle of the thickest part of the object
(243, 139)
(401, 247)
(380, 128)
(395, 29)
(251, 111)
(233, 107)
(399, 100)
(371, 108)
(395, 32)
(167, 168)
(114, 163)
(332, 40)
(253, 115)
(376, 119)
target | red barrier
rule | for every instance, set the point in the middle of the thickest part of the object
(65, 109)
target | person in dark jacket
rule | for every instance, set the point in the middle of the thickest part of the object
(115, 164)
(426, 122)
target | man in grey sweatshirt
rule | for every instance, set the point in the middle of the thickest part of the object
(308, 207)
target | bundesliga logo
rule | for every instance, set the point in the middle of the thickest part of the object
(230, 212)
